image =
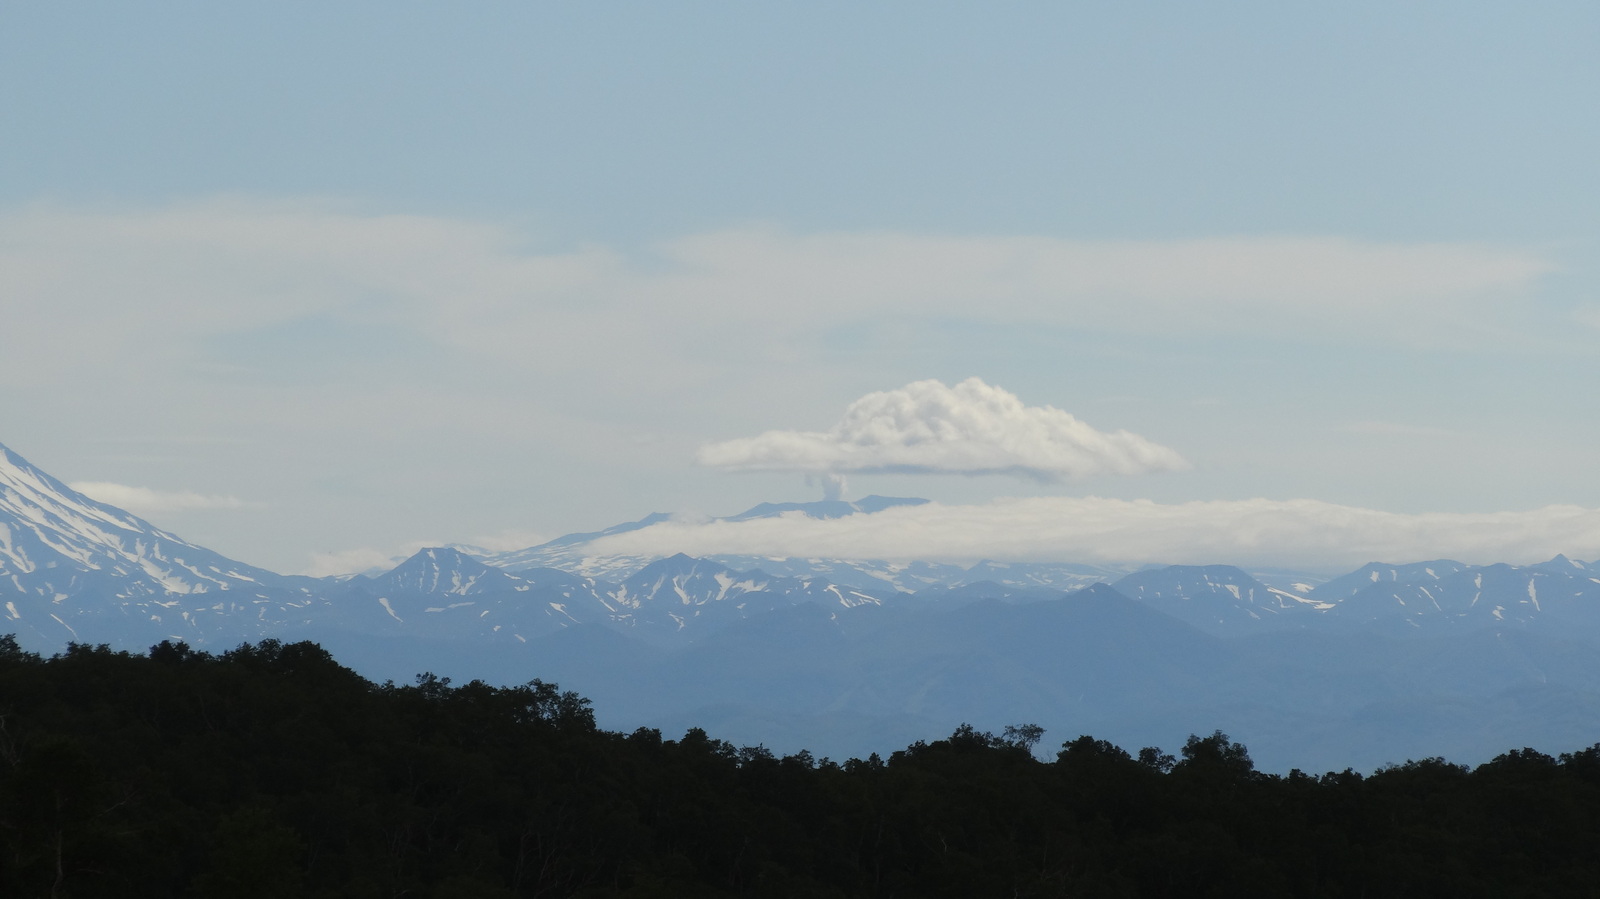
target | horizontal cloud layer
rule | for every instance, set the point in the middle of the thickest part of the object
(309, 332)
(928, 427)
(128, 283)
(144, 501)
(1291, 533)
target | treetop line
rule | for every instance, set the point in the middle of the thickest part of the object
(271, 770)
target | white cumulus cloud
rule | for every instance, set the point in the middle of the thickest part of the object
(144, 501)
(928, 427)
(1298, 533)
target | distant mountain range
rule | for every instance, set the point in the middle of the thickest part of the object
(847, 656)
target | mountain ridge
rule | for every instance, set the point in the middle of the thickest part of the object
(1340, 672)
(68, 559)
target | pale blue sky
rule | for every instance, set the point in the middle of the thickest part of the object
(611, 212)
(1430, 121)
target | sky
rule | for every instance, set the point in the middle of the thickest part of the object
(314, 284)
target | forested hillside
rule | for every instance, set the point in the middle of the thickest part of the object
(271, 770)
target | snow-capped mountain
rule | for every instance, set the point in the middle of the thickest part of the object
(574, 553)
(1216, 598)
(441, 592)
(673, 593)
(1417, 598)
(72, 568)
(1377, 574)
(445, 571)
(1056, 576)
(79, 569)
(915, 576)
(75, 569)
(1563, 565)
(1551, 594)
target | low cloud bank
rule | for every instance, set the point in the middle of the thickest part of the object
(143, 501)
(927, 427)
(1299, 533)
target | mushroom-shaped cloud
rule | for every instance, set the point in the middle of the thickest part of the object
(927, 427)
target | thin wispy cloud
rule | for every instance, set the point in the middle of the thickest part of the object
(927, 427)
(144, 501)
(351, 561)
(125, 281)
(1398, 429)
(1258, 284)
(1292, 533)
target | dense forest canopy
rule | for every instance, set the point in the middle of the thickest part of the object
(271, 770)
